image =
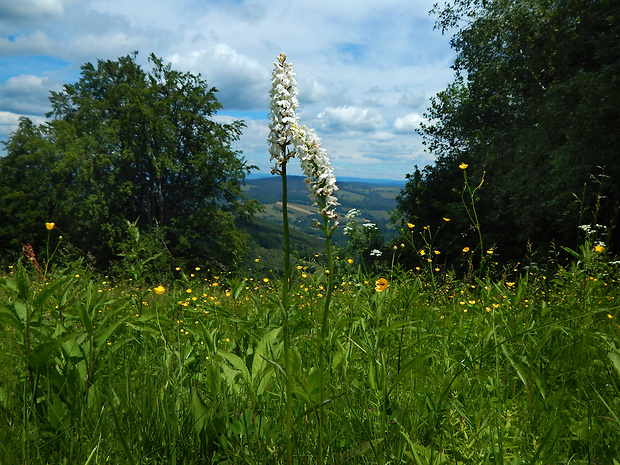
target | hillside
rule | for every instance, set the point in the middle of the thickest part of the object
(372, 199)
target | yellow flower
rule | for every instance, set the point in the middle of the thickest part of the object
(381, 285)
(266, 280)
(197, 268)
(463, 166)
(257, 260)
(437, 252)
(446, 219)
(422, 252)
(465, 249)
(159, 289)
(598, 248)
(188, 291)
(490, 251)
(410, 225)
(350, 261)
(50, 226)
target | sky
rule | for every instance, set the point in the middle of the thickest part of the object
(365, 69)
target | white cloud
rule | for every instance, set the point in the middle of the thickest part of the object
(350, 118)
(360, 64)
(242, 82)
(408, 124)
(25, 9)
(26, 94)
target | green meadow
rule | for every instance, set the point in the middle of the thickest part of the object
(516, 366)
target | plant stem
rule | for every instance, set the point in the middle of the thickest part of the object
(323, 338)
(285, 323)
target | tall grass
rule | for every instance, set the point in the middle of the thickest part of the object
(429, 370)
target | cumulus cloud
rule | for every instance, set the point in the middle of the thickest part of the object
(26, 94)
(408, 124)
(25, 9)
(412, 99)
(242, 82)
(363, 73)
(350, 118)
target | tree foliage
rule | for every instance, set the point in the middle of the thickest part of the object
(535, 109)
(124, 145)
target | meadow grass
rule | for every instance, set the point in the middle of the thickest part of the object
(520, 368)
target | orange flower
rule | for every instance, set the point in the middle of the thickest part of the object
(381, 285)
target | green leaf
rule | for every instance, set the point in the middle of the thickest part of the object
(238, 364)
(615, 360)
(48, 290)
(261, 352)
(40, 354)
(200, 412)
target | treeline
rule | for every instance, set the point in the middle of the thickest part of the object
(127, 146)
(534, 113)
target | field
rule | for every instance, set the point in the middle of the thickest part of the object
(516, 366)
(374, 200)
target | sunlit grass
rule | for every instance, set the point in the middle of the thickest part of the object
(424, 368)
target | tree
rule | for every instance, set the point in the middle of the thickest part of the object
(141, 146)
(535, 108)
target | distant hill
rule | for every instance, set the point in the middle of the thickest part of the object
(364, 195)
(373, 199)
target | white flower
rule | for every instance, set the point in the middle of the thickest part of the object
(282, 112)
(370, 225)
(315, 164)
(375, 253)
(352, 213)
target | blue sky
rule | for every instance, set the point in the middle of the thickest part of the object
(365, 69)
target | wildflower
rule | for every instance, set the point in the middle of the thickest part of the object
(315, 164)
(422, 252)
(381, 285)
(266, 280)
(352, 213)
(375, 253)
(490, 251)
(350, 261)
(463, 166)
(50, 226)
(437, 252)
(465, 249)
(197, 268)
(599, 248)
(257, 260)
(159, 290)
(283, 113)
(188, 291)
(446, 219)
(410, 225)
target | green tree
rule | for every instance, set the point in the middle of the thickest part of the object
(142, 146)
(535, 107)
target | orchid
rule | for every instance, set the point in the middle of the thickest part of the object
(283, 114)
(316, 166)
